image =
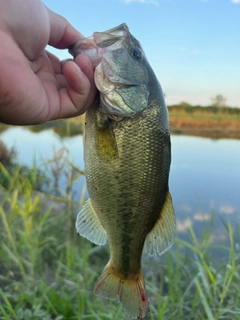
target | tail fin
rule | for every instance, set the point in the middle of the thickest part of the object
(130, 292)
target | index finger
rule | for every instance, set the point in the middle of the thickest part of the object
(62, 33)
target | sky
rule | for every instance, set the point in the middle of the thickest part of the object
(192, 45)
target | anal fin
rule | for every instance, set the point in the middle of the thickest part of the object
(130, 292)
(89, 226)
(162, 235)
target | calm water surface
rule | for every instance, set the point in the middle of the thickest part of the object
(204, 177)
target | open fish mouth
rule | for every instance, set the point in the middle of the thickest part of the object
(120, 77)
(100, 42)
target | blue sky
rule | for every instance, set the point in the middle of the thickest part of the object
(192, 45)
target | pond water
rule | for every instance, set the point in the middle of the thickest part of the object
(204, 177)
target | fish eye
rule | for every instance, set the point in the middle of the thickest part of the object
(136, 53)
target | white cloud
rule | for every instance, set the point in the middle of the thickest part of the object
(227, 209)
(235, 1)
(184, 225)
(154, 2)
(201, 216)
(192, 51)
(219, 236)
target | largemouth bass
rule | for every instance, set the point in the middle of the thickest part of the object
(127, 158)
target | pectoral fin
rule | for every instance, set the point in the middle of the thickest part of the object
(162, 236)
(89, 226)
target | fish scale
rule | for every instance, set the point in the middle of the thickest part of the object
(127, 157)
(129, 197)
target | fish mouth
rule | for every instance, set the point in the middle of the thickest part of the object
(99, 43)
(117, 92)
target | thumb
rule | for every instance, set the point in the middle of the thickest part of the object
(81, 92)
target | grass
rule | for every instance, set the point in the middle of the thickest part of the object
(210, 121)
(204, 116)
(48, 271)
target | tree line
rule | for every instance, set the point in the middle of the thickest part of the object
(218, 106)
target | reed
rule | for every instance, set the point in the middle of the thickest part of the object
(48, 271)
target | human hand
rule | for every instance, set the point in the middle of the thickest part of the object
(35, 86)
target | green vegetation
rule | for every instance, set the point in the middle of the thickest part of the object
(9, 169)
(64, 127)
(48, 271)
(184, 107)
(210, 121)
(214, 121)
(219, 101)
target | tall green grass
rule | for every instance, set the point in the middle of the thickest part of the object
(48, 272)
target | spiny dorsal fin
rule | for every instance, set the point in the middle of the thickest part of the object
(162, 236)
(89, 226)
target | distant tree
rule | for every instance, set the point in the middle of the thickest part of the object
(184, 104)
(218, 101)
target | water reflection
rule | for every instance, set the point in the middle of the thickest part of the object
(40, 146)
(205, 180)
(204, 177)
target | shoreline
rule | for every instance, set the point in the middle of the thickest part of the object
(211, 134)
(208, 125)
(199, 122)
